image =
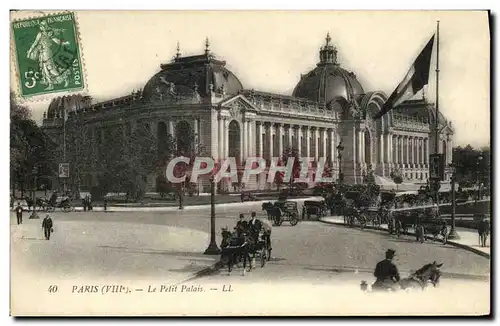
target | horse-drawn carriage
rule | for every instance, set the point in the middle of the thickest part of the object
(247, 196)
(235, 249)
(63, 203)
(313, 207)
(282, 211)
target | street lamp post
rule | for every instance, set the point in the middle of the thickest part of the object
(453, 232)
(340, 149)
(479, 159)
(34, 215)
(181, 196)
(212, 247)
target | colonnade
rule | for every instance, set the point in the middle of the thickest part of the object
(270, 139)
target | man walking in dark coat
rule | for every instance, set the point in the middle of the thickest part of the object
(47, 226)
(19, 213)
(386, 272)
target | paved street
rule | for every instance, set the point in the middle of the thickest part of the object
(310, 246)
(144, 247)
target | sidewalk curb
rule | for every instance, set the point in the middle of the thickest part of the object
(453, 243)
(113, 209)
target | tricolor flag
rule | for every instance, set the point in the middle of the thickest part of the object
(416, 78)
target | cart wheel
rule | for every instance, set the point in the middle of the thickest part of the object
(294, 220)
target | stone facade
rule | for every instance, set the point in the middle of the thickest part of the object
(329, 105)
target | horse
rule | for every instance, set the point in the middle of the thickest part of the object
(429, 273)
(234, 248)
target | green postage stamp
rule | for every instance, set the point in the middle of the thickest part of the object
(48, 55)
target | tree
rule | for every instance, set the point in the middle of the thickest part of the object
(30, 148)
(397, 177)
(468, 169)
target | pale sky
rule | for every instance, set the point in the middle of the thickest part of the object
(269, 50)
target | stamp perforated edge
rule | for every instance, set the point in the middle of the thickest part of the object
(14, 64)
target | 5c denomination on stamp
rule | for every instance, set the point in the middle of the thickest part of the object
(48, 55)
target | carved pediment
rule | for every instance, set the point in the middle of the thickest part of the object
(238, 105)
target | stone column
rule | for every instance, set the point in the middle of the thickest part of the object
(244, 140)
(299, 141)
(270, 139)
(361, 147)
(325, 141)
(226, 138)
(421, 152)
(332, 146)
(308, 141)
(251, 141)
(221, 138)
(290, 138)
(259, 132)
(171, 129)
(280, 139)
(426, 152)
(401, 151)
(316, 143)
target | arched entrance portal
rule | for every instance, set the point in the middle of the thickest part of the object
(234, 140)
(183, 138)
(368, 148)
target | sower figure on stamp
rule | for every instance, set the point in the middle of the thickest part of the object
(19, 213)
(386, 272)
(42, 51)
(47, 226)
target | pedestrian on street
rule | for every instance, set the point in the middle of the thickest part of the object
(89, 202)
(47, 226)
(84, 204)
(19, 213)
(105, 204)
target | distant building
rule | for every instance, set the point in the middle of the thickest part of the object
(199, 95)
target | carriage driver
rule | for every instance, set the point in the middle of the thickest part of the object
(386, 272)
(241, 226)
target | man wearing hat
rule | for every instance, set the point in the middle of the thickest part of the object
(19, 213)
(254, 226)
(241, 226)
(47, 226)
(386, 272)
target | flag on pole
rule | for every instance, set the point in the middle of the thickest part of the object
(416, 78)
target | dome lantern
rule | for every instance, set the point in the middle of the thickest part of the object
(328, 53)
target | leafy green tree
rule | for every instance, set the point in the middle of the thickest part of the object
(469, 169)
(30, 149)
(397, 177)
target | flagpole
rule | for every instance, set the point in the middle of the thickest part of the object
(436, 143)
(436, 126)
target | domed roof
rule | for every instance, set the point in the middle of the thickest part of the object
(200, 73)
(419, 108)
(328, 80)
(67, 103)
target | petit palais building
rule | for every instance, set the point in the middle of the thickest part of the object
(198, 96)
